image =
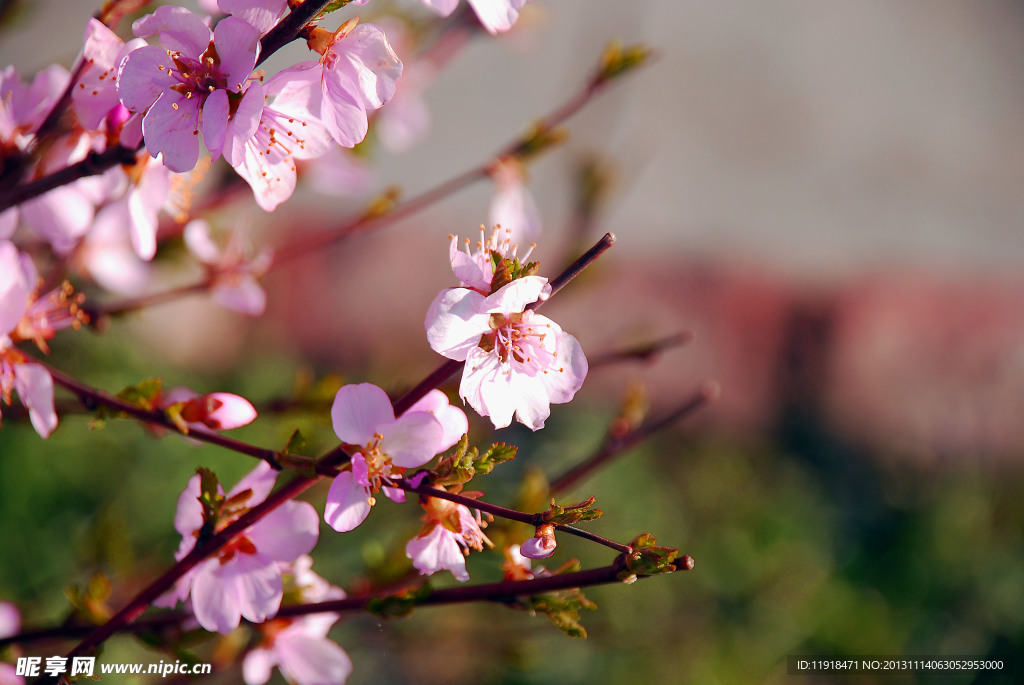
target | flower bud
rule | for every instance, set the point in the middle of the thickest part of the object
(541, 545)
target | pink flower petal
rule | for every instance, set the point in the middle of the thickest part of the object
(171, 128)
(311, 661)
(215, 121)
(140, 79)
(561, 385)
(10, 619)
(358, 411)
(437, 551)
(485, 387)
(189, 516)
(347, 503)
(216, 608)
(258, 666)
(412, 440)
(452, 419)
(442, 7)
(61, 216)
(14, 288)
(262, 14)
(180, 30)
(200, 243)
(366, 57)
(288, 532)
(237, 44)
(255, 581)
(513, 297)
(497, 15)
(35, 388)
(260, 481)
(234, 411)
(538, 548)
(455, 321)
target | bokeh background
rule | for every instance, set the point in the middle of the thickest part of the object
(827, 194)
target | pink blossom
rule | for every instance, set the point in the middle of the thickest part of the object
(219, 411)
(64, 214)
(357, 72)
(512, 206)
(262, 14)
(474, 266)
(541, 545)
(184, 85)
(517, 362)
(234, 272)
(385, 447)
(95, 94)
(284, 131)
(107, 253)
(495, 15)
(24, 315)
(244, 577)
(299, 647)
(449, 531)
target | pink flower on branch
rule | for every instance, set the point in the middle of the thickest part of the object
(450, 530)
(517, 362)
(244, 578)
(185, 85)
(234, 272)
(385, 447)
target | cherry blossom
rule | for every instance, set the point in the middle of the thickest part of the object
(26, 315)
(219, 411)
(299, 647)
(244, 577)
(184, 85)
(448, 533)
(284, 131)
(475, 267)
(385, 448)
(541, 545)
(517, 362)
(95, 94)
(64, 214)
(495, 15)
(357, 72)
(234, 272)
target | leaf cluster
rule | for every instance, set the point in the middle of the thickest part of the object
(648, 558)
(573, 513)
(508, 269)
(463, 462)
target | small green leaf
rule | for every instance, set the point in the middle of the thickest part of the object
(563, 610)
(648, 558)
(144, 394)
(574, 513)
(618, 60)
(497, 453)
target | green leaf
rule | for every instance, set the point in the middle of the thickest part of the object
(563, 610)
(573, 513)
(648, 558)
(144, 394)
(497, 453)
(618, 60)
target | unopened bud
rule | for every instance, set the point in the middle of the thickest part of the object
(541, 545)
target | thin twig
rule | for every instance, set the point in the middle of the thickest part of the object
(615, 446)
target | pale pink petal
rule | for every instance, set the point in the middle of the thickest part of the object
(271, 176)
(144, 204)
(256, 582)
(538, 548)
(411, 440)
(513, 297)
(262, 14)
(442, 7)
(260, 481)
(8, 222)
(171, 128)
(179, 30)
(9, 675)
(237, 44)
(35, 388)
(485, 387)
(200, 243)
(513, 208)
(453, 420)
(243, 124)
(61, 216)
(366, 56)
(216, 606)
(189, 516)
(358, 411)
(529, 394)
(258, 665)
(233, 411)
(10, 620)
(215, 121)
(497, 15)
(437, 551)
(14, 288)
(310, 661)
(360, 470)
(242, 294)
(455, 321)
(140, 79)
(342, 112)
(562, 382)
(396, 495)
(288, 532)
(347, 503)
